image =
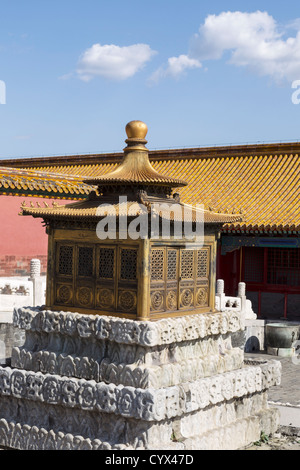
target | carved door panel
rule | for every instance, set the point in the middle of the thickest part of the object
(172, 256)
(127, 280)
(85, 276)
(202, 277)
(194, 278)
(179, 278)
(157, 280)
(164, 279)
(63, 280)
(187, 279)
(105, 295)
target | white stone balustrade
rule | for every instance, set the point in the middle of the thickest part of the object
(18, 292)
(240, 303)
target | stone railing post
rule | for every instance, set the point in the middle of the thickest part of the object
(35, 278)
(242, 295)
(220, 295)
(246, 304)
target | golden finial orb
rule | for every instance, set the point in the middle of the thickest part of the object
(136, 130)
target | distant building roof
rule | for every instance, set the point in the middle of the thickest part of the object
(28, 182)
(260, 181)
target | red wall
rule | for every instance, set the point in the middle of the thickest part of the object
(228, 269)
(21, 237)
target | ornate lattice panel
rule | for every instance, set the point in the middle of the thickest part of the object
(106, 263)
(157, 264)
(179, 279)
(157, 279)
(104, 277)
(203, 269)
(128, 264)
(85, 261)
(187, 264)
(65, 260)
(172, 265)
(202, 263)
(87, 277)
(171, 302)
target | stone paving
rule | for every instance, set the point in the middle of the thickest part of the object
(289, 389)
(278, 442)
(287, 397)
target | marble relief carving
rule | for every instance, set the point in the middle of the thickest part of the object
(99, 382)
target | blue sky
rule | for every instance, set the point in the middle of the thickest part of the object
(198, 73)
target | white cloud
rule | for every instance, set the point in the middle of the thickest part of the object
(66, 76)
(251, 40)
(175, 67)
(254, 40)
(113, 62)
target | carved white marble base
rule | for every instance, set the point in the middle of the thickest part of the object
(95, 382)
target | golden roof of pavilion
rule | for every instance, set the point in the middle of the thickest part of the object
(90, 209)
(136, 172)
(135, 167)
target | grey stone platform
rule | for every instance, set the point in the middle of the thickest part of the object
(285, 396)
(98, 382)
(9, 336)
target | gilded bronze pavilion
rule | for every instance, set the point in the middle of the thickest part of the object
(146, 278)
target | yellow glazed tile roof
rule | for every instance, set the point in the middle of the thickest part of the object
(261, 181)
(26, 182)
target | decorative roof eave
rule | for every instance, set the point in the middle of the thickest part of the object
(231, 223)
(95, 210)
(287, 229)
(30, 183)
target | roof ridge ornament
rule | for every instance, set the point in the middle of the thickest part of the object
(136, 132)
(135, 169)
